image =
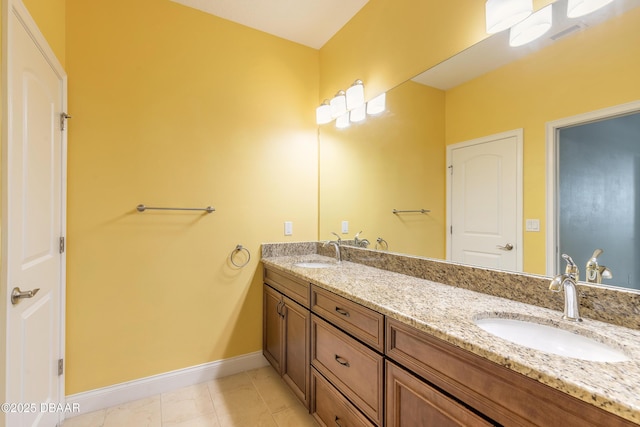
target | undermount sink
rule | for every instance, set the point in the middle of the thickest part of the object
(550, 339)
(314, 264)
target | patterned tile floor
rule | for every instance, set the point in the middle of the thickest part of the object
(257, 398)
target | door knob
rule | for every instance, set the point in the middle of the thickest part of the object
(506, 247)
(17, 294)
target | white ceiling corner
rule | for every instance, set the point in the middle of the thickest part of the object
(308, 22)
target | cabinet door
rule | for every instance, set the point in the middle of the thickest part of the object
(295, 366)
(412, 402)
(272, 327)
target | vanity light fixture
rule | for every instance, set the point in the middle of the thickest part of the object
(576, 8)
(377, 105)
(355, 95)
(343, 121)
(531, 28)
(338, 104)
(358, 114)
(323, 113)
(503, 14)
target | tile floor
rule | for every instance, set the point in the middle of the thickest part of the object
(257, 398)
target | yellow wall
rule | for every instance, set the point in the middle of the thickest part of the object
(174, 107)
(392, 161)
(50, 17)
(390, 41)
(591, 70)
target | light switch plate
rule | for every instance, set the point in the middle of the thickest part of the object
(288, 228)
(532, 225)
(345, 227)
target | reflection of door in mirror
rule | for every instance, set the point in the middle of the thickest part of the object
(485, 201)
(599, 196)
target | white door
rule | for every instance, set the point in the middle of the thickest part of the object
(485, 207)
(33, 226)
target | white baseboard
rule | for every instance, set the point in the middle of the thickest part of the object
(117, 394)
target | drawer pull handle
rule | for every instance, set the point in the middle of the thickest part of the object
(337, 421)
(280, 307)
(345, 313)
(342, 361)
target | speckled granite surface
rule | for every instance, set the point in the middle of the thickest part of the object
(616, 306)
(448, 312)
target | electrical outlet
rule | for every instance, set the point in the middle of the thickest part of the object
(532, 225)
(345, 227)
(288, 228)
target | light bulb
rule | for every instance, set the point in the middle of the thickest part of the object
(531, 28)
(502, 14)
(355, 95)
(377, 105)
(338, 104)
(358, 114)
(343, 121)
(576, 8)
(323, 113)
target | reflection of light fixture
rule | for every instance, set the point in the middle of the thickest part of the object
(323, 113)
(358, 114)
(355, 95)
(502, 14)
(338, 104)
(531, 28)
(377, 105)
(343, 121)
(577, 8)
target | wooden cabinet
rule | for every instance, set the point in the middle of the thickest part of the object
(353, 367)
(286, 338)
(501, 394)
(411, 402)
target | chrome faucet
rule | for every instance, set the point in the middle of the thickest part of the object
(596, 272)
(337, 246)
(567, 281)
(361, 243)
(338, 239)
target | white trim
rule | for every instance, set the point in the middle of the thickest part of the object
(150, 386)
(552, 168)
(519, 135)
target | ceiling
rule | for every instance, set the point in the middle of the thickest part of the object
(308, 22)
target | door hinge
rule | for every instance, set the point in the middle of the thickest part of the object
(450, 169)
(63, 120)
(62, 245)
(60, 366)
(451, 229)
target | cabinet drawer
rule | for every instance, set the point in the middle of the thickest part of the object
(352, 367)
(291, 286)
(363, 323)
(412, 402)
(330, 408)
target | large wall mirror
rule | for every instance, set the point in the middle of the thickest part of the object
(398, 160)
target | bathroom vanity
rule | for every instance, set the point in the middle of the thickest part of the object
(364, 346)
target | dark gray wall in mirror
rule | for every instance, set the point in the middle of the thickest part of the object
(599, 195)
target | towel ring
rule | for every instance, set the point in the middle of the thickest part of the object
(383, 244)
(240, 248)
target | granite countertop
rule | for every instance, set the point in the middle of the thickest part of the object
(448, 313)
